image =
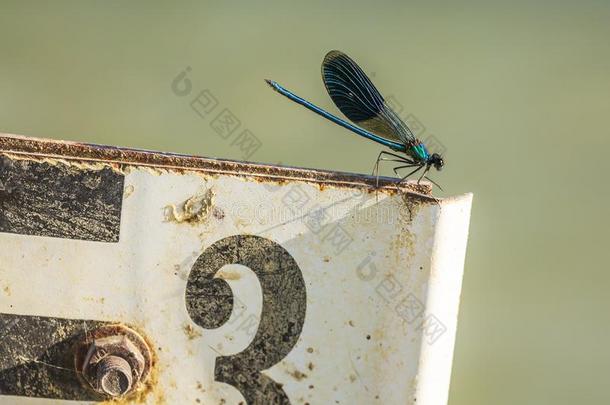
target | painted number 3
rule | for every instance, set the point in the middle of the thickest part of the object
(209, 302)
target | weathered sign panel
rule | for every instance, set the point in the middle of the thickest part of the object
(158, 278)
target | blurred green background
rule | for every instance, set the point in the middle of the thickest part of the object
(518, 93)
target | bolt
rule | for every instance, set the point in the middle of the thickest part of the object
(114, 376)
(115, 362)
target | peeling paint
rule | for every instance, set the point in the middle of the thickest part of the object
(228, 274)
(129, 191)
(193, 211)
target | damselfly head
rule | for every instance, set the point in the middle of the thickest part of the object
(437, 161)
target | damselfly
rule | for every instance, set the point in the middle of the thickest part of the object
(360, 101)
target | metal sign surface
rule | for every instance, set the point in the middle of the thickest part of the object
(249, 283)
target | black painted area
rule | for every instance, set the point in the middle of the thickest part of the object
(209, 302)
(60, 200)
(37, 357)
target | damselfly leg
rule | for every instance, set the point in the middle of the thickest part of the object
(413, 172)
(397, 159)
(395, 169)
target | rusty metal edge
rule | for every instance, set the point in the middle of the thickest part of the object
(85, 152)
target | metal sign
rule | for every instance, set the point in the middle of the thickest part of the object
(158, 278)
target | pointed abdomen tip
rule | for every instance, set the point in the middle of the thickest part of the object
(272, 84)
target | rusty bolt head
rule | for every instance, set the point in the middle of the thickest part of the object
(114, 376)
(115, 361)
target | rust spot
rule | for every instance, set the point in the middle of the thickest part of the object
(218, 213)
(98, 300)
(310, 350)
(7, 290)
(276, 181)
(190, 332)
(310, 366)
(298, 375)
(413, 205)
(160, 398)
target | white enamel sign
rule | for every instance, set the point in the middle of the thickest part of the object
(250, 284)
